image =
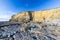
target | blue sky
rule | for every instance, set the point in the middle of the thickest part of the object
(10, 7)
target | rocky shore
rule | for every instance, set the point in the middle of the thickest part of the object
(30, 31)
(32, 25)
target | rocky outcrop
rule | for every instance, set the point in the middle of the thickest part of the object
(42, 15)
(30, 31)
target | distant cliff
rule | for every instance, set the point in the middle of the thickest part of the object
(42, 15)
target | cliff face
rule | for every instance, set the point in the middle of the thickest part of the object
(42, 15)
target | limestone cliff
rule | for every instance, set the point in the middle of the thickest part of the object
(42, 15)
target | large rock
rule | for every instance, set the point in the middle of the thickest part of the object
(42, 15)
(20, 17)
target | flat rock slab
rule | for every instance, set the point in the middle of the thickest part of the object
(29, 31)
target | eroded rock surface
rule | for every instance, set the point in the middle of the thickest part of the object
(42, 15)
(30, 31)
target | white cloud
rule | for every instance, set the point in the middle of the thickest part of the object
(6, 16)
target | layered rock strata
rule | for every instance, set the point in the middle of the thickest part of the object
(42, 15)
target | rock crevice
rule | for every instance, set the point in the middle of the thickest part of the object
(30, 15)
